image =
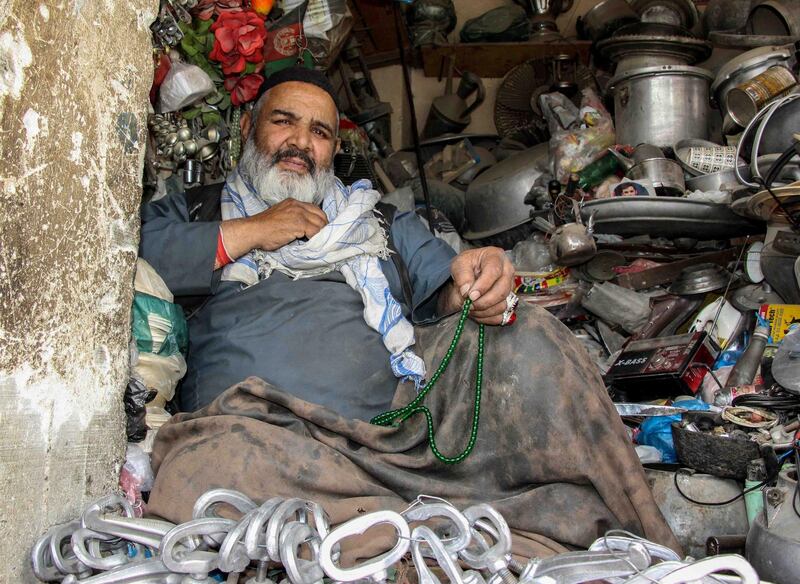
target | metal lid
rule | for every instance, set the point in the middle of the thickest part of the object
(751, 59)
(667, 70)
(699, 279)
(649, 39)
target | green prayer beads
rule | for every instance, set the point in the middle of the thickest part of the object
(400, 415)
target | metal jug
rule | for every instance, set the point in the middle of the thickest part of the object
(450, 113)
(573, 244)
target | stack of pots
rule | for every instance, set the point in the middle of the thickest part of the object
(659, 97)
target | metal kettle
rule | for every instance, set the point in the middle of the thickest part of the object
(573, 244)
(450, 113)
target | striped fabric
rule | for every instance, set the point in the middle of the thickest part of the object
(352, 243)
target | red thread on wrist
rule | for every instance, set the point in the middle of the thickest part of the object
(223, 259)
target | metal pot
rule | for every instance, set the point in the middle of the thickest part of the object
(495, 200)
(607, 16)
(774, 17)
(665, 174)
(661, 105)
(725, 14)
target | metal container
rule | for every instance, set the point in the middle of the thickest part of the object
(744, 101)
(774, 17)
(724, 180)
(607, 16)
(725, 14)
(495, 200)
(746, 66)
(661, 105)
(665, 174)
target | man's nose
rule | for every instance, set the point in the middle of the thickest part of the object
(301, 138)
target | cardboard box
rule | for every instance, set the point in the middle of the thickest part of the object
(780, 317)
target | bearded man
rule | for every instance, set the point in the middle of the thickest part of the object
(307, 332)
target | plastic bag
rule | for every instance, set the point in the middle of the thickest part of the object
(183, 85)
(136, 477)
(578, 137)
(502, 24)
(326, 26)
(160, 373)
(148, 281)
(657, 431)
(135, 398)
(532, 255)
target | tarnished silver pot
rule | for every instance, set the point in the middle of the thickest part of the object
(661, 105)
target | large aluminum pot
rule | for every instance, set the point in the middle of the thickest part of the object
(661, 105)
(495, 200)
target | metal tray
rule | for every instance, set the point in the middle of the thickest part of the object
(667, 217)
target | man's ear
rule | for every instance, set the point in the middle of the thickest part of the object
(245, 122)
(338, 146)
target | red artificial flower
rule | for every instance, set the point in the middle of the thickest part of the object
(206, 9)
(238, 40)
(243, 89)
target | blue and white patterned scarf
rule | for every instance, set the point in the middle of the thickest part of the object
(351, 243)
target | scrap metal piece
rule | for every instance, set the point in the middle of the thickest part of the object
(647, 410)
(375, 568)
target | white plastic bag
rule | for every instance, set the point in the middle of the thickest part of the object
(183, 85)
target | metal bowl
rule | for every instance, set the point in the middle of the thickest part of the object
(495, 200)
(724, 180)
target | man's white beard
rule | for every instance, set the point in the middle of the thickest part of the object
(274, 184)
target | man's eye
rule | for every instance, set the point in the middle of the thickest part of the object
(320, 132)
(281, 122)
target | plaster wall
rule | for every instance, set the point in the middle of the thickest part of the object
(74, 80)
(389, 80)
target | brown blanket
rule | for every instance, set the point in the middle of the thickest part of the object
(552, 454)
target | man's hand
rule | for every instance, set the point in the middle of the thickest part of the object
(269, 230)
(486, 276)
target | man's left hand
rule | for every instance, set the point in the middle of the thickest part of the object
(484, 275)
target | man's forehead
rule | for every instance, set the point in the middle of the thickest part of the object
(301, 98)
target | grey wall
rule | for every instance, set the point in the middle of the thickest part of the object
(74, 80)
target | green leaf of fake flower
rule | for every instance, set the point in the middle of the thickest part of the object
(191, 113)
(211, 118)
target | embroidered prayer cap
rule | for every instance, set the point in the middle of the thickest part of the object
(302, 75)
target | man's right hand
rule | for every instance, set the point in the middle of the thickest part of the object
(283, 223)
(269, 230)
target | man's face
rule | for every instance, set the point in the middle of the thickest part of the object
(298, 117)
(289, 151)
(629, 191)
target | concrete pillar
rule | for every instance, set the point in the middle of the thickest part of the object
(74, 80)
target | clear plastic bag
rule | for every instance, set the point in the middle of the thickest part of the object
(183, 85)
(578, 137)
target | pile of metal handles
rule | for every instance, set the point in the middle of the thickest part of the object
(109, 545)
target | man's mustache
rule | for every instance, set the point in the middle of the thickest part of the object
(295, 153)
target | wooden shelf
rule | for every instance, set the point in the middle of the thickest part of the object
(496, 59)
